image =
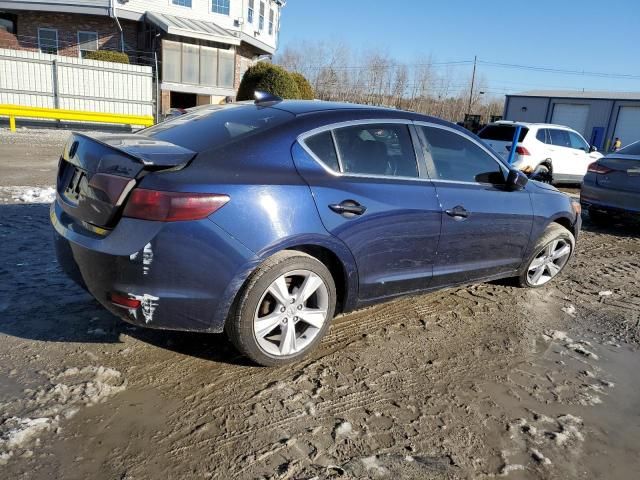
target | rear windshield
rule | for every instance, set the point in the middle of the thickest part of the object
(502, 133)
(633, 149)
(206, 128)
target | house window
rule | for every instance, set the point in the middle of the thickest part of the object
(8, 23)
(87, 42)
(261, 17)
(48, 40)
(271, 22)
(220, 6)
(250, 12)
(197, 65)
(182, 3)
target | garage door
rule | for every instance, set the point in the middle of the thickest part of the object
(572, 116)
(628, 125)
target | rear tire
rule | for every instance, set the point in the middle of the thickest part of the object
(284, 310)
(543, 173)
(600, 218)
(550, 256)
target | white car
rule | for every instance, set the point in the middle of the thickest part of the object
(553, 153)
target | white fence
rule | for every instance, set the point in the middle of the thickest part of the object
(41, 80)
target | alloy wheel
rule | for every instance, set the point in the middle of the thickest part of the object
(291, 313)
(549, 262)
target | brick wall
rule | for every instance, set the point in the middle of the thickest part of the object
(244, 59)
(68, 25)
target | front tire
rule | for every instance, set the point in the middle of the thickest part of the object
(284, 310)
(550, 255)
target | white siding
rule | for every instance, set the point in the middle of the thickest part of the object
(30, 78)
(201, 10)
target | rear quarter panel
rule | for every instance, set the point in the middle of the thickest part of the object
(271, 207)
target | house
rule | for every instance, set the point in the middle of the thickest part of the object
(202, 47)
(599, 116)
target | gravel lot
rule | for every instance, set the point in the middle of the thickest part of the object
(478, 382)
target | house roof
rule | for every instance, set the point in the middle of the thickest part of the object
(579, 94)
(192, 28)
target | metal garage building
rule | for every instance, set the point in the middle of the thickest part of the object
(598, 116)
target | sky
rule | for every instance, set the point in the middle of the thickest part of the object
(577, 35)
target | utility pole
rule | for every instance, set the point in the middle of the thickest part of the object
(473, 81)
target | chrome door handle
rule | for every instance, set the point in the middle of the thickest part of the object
(458, 212)
(348, 208)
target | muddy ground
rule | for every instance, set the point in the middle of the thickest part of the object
(478, 382)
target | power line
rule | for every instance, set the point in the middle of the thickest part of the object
(560, 70)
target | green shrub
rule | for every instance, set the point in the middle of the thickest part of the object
(107, 56)
(268, 78)
(304, 87)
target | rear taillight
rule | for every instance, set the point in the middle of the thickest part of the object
(595, 167)
(172, 206)
(120, 300)
(519, 150)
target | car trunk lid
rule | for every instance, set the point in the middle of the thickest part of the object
(623, 173)
(96, 174)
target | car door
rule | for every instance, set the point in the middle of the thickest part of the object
(373, 194)
(563, 157)
(583, 157)
(485, 227)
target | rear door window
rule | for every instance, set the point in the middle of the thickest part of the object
(559, 138)
(377, 149)
(323, 147)
(502, 133)
(542, 135)
(456, 158)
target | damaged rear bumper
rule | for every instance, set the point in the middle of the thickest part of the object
(185, 274)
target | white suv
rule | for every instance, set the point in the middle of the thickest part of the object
(552, 152)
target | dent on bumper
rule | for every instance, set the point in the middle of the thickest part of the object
(185, 274)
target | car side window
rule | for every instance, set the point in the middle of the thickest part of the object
(377, 149)
(577, 142)
(457, 158)
(560, 138)
(322, 147)
(542, 135)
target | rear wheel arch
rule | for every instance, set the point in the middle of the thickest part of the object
(336, 267)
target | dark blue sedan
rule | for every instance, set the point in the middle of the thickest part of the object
(265, 220)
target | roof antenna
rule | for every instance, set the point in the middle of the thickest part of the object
(265, 97)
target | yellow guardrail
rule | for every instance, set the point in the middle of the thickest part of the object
(13, 111)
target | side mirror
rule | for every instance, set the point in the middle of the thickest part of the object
(593, 148)
(516, 180)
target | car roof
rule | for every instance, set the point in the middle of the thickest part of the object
(531, 124)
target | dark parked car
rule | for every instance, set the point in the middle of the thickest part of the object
(265, 220)
(611, 187)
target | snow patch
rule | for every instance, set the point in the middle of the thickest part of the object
(605, 293)
(578, 347)
(26, 194)
(371, 465)
(44, 409)
(342, 429)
